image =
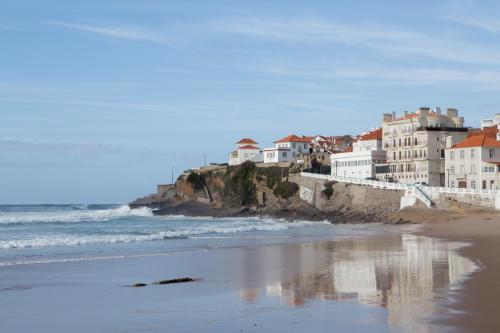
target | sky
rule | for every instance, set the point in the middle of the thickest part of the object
(100, 99)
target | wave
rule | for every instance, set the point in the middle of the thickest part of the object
(183, 232)
(77, 215)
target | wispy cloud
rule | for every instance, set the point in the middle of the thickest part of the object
(373, 74)
(387, 39)
(121, 32)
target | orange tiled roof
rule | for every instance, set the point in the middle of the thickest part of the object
(373, 135)
(294, 138)
(490, 131)
(249, 147)
(247, 141)
(478, 141)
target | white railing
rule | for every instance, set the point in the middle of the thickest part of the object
(359, 181)
(424, 193)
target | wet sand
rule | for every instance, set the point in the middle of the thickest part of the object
(479, 299)
(387, 282)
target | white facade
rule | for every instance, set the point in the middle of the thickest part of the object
(490, 122)
(474, 164)
(275, 155)
(295, 147)
(415, 145)
(360, 163)
(287, 149)
(245, 151)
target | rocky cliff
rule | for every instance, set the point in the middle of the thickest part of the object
(250, 189)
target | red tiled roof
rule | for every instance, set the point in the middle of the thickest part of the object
(294, 138)
(247, 141)
(348, 150)
(373, 135)
(249, 147)
(490, 131)
(478, 141)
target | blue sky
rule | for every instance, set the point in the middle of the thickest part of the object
(99, 99)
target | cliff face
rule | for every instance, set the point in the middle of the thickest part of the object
(271, 190)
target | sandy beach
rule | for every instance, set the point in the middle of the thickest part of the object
(478, 300)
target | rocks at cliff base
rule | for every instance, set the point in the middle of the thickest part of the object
(178, 280)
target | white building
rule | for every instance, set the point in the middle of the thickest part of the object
(276, 155)
(246, 150)
(490, 122)
(474, 163)
(287, 149)
(360, 162)
(415, 145)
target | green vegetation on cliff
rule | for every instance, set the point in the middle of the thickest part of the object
(286, 189)
(239, 187)
(195, 180)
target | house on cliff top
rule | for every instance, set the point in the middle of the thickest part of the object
(246, 150)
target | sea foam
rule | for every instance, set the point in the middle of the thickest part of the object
(97, 215)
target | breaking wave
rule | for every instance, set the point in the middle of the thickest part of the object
(72, 216)
(214, 228)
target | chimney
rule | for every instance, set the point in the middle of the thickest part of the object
(424, 111)
(386, 117)
(451, 112)
(449, 142)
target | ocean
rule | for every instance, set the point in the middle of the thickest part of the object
(70, 268)
(32, 234)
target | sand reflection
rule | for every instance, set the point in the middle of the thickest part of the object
(403, 273)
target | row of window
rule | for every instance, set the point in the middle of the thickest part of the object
(491, 154)
(422, 153)
(485, 185)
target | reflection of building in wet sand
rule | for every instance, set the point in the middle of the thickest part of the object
(402, 273)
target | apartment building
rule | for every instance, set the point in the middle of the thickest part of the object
(474, 163)
(415, 144)
(361, 160)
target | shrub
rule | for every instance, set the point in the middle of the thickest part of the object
(273, 175)
(286, 189)
(328, 191)
(239, 187)
(195, 180)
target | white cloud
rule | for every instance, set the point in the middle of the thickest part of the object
(387, 39)
(120, 32)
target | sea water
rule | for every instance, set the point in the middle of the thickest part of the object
(49, 233)
(70, 267)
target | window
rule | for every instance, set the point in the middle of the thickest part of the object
(473, 184)
(492, 153)
(452, 170)
(442, 153)
(416, 142)
(284, 154)
(462, 154)
(293, 145)
(472, 153)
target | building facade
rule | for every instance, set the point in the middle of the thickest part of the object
(246, 150)
(495, 121)
(360, 162)
(474, 163)
(416, 143)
